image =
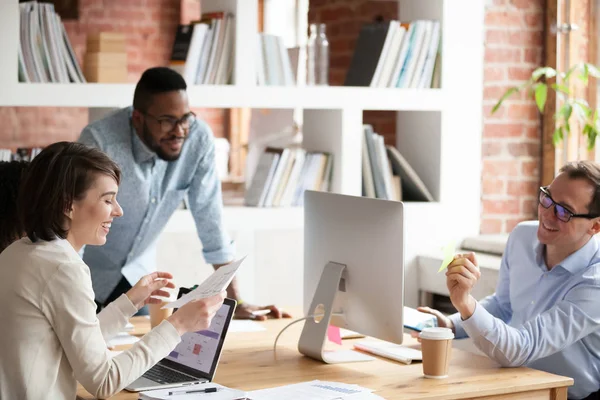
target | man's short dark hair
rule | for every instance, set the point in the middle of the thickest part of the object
(11, 228)
(586, 170)
(155, 81)
(59, 175)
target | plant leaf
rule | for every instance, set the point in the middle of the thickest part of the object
(560, 88)
(582, 110)
(593, 70)
(557, 136)
(591, 133)
(541, 93)
(584, 76)
(506, 95)
(565, 111)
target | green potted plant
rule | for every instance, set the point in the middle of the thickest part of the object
(546, 78)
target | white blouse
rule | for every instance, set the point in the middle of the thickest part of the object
(50, 335)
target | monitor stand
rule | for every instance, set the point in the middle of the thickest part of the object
(314, 334)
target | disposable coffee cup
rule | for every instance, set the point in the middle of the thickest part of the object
(436, 346)
(158, 314)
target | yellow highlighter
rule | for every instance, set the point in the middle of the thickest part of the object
(448, 255)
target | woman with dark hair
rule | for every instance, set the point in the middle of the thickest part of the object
(11, 227)
(51, 335)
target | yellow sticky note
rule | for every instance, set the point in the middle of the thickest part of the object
(448, 255)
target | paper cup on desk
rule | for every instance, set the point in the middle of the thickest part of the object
(158, 314)
(436, 346)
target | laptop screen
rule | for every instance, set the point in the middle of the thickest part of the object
(201, 350)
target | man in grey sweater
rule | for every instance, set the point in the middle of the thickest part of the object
(165, 153)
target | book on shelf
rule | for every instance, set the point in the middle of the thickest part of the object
(275, 64)
(394, 54)
(386, 174)
(45, 53)
(203, 50)
(283, 174)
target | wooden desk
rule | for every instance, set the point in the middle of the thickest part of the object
(248, 363)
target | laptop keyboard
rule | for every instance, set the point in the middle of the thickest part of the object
(160, 374)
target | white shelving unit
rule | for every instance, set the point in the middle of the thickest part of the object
(439, 133)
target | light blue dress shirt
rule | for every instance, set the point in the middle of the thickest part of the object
(547, 320)
(151, 189)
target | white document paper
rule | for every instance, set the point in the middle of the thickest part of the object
(314, 390)
(213, 285)
(244, 325)
(222, 393)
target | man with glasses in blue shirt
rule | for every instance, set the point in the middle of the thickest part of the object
(545, 313)
(165, 153)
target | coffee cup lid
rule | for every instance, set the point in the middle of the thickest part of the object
(436, 334)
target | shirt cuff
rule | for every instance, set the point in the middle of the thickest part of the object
(168, 333)
(125, 306)
(224, 255)
(459, 332)
(481, 323)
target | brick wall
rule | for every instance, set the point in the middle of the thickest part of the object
(149, 26)
(511, 138)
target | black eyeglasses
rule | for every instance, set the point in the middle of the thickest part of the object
(561, 212)
(168, 124)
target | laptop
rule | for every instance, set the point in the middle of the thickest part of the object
(194, 361)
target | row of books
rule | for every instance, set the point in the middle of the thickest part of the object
(22, 154)
(45, 53)
(275, 64)
(282, 176)
(394, 54)
(386, 174)
(203, 51)
(379, 180)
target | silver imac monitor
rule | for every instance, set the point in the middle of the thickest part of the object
(353, 269)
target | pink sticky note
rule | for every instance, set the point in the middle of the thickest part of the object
(333, 334)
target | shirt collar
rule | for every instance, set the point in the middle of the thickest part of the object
(582, 258)
(141, 152)
(574, 263)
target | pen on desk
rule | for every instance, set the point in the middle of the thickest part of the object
(207, 390)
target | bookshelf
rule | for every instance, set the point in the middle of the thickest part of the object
(438, 130)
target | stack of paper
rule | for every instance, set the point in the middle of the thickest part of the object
(314, 390)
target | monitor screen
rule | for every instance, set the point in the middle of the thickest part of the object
(198, 350)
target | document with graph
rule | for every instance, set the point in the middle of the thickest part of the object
(213, 285)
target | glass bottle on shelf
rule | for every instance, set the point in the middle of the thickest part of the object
(311, 56)
(322, 62)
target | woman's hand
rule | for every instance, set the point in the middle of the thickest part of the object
(197, 315)
(150, 285)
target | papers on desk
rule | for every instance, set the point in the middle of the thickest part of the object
(181, 393)
(213, 285)
(314, 390)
